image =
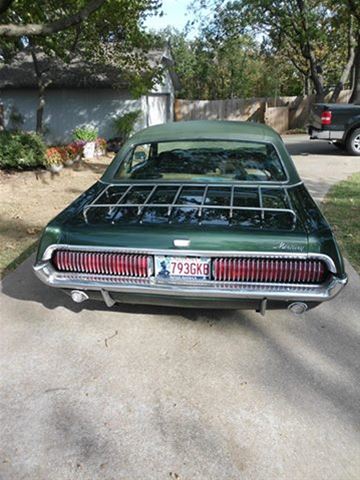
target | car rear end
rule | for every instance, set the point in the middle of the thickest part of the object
(199, 214)
(281, 256)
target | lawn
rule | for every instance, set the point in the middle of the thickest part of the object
(342, 209)
(28, 200)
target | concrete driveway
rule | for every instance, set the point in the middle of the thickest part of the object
(159, 393)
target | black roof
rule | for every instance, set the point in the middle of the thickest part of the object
(78, 74)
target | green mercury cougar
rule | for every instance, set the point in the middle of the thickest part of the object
(196, 214)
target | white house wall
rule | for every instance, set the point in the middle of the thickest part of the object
(167, 87)
(67, 109)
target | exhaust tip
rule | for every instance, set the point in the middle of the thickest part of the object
(79, 296)
(298, 308)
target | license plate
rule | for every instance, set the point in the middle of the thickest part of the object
(197, 268)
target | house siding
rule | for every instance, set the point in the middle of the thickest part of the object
(68, 108)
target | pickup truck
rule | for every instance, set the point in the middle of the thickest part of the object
(337, 123)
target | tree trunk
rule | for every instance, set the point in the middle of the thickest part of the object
(307, 85)
(41, 92)
(352, 47)
(308, 53)
(1, 117)
(355, 96)
(40, 109)
(344, 78)
(316, 77)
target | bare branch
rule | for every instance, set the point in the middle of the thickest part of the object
(33, 29)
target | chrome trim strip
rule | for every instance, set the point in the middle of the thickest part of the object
(238, 184)
(202, 253)
(232, 201)
(171, 206)
(317, 293)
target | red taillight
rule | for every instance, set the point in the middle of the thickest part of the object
(269, 270)
(130, 265)
(326, 117)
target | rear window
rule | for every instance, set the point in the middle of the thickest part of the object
(203, 161)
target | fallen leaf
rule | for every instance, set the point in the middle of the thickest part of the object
(33, 230)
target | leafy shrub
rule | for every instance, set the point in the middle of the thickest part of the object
(124, 124)
(86, 134)
(21, 150)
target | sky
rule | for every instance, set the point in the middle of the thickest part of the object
(175, 15)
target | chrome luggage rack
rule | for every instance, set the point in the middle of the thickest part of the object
(128, 188)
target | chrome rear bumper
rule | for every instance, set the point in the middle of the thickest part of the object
(202, 289)
(325, 134)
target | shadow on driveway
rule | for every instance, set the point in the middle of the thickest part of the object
(301, 145)
(180, 384)
(27, 287)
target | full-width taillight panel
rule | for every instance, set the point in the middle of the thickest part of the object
(269, 270)
(326, 117)
(225, 269)
(129, 265)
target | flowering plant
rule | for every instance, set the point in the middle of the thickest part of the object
(53, 156)
(79, 143)
(74, 150)
(63, 153)
(100, 146)
(101, 142)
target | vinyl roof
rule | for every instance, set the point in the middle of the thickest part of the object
(198, 129)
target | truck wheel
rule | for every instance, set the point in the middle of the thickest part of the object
(353, 142)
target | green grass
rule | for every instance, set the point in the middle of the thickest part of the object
(342, 209)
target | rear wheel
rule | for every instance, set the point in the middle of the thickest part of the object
(353, 142)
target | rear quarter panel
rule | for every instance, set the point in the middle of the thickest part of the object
(320, 236)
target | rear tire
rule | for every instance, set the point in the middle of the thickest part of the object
(353, 142)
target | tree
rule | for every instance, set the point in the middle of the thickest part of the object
(354, 7)
(220, 67)
(309, 33)
(97, 31)
(46, 27)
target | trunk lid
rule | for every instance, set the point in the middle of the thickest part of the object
(211, 217)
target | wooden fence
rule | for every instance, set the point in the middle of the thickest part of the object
(282, 113)
(277, 118)
(232, 109)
